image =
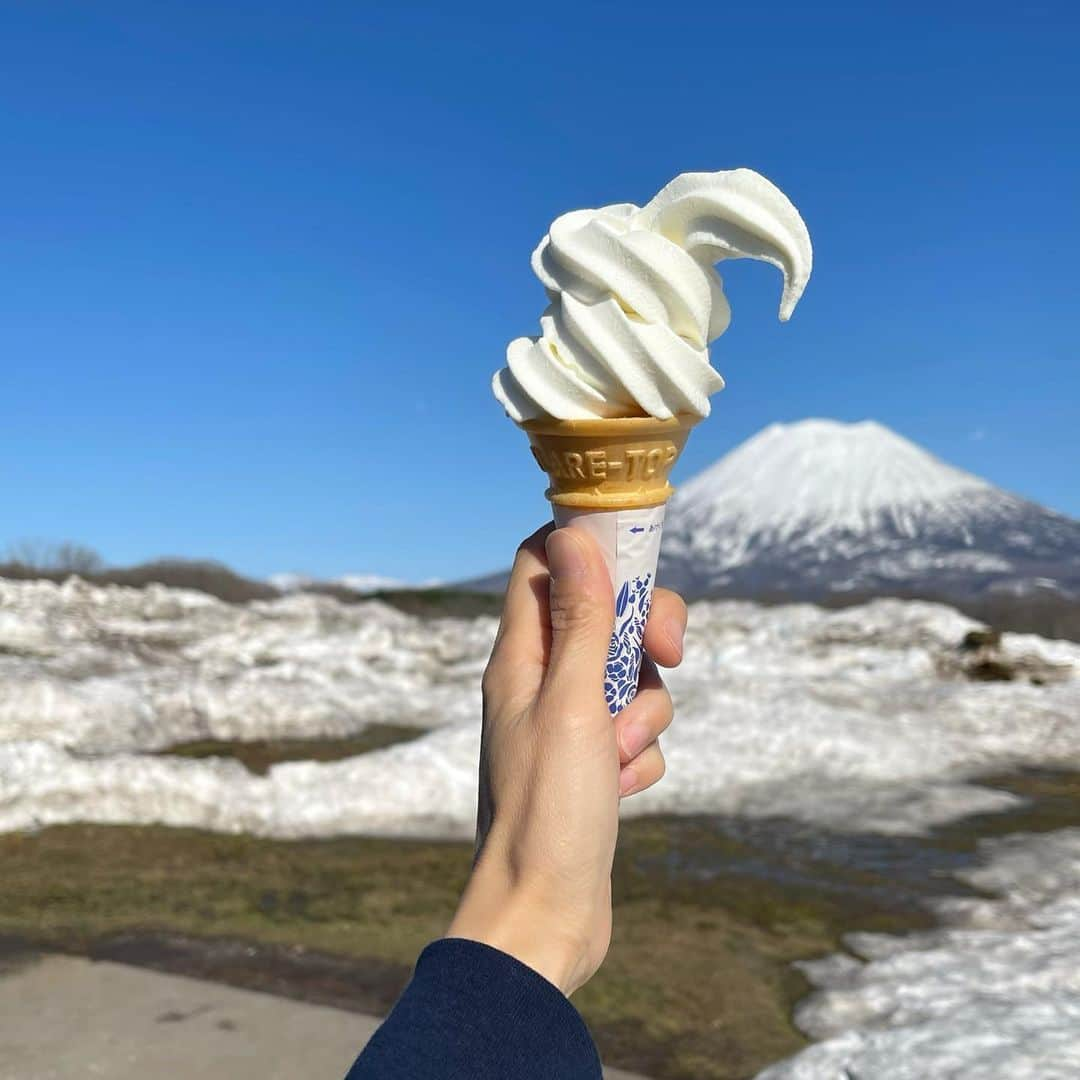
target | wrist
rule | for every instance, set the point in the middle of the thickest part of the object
(525, 928)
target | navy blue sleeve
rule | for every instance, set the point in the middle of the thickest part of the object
(474, 1013)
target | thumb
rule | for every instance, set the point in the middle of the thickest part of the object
(582, 615)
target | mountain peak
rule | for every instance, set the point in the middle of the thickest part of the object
(824, 474)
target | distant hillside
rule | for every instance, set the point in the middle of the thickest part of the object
(203, 575)
(218, 580)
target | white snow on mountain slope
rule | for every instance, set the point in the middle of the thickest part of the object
(861, 716)
(816, 477)
(993, 994)
(820, 506)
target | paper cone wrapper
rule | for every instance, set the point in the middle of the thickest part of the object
(610, 478)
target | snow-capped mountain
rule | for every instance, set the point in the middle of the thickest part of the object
(821, 507)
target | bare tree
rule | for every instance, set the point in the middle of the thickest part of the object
(65, 557)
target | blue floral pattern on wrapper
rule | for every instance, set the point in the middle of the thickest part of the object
(624, 651)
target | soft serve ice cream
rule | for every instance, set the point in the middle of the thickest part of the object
(608, 393)
(636, 299)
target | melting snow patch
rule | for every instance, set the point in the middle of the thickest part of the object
(831, 717)
(995, 995)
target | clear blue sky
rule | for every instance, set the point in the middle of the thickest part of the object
(258, 260)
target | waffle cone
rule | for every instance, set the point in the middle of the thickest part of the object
(608, 464)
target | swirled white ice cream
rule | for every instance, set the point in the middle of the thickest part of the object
(636, 299)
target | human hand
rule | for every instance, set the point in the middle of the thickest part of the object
(553, 763)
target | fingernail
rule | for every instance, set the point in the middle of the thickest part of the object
(566, 558)
(676, 630)
(634, 739)
(628, 780)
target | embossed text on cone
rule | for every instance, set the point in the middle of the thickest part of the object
(610, 478)
(608, 464)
